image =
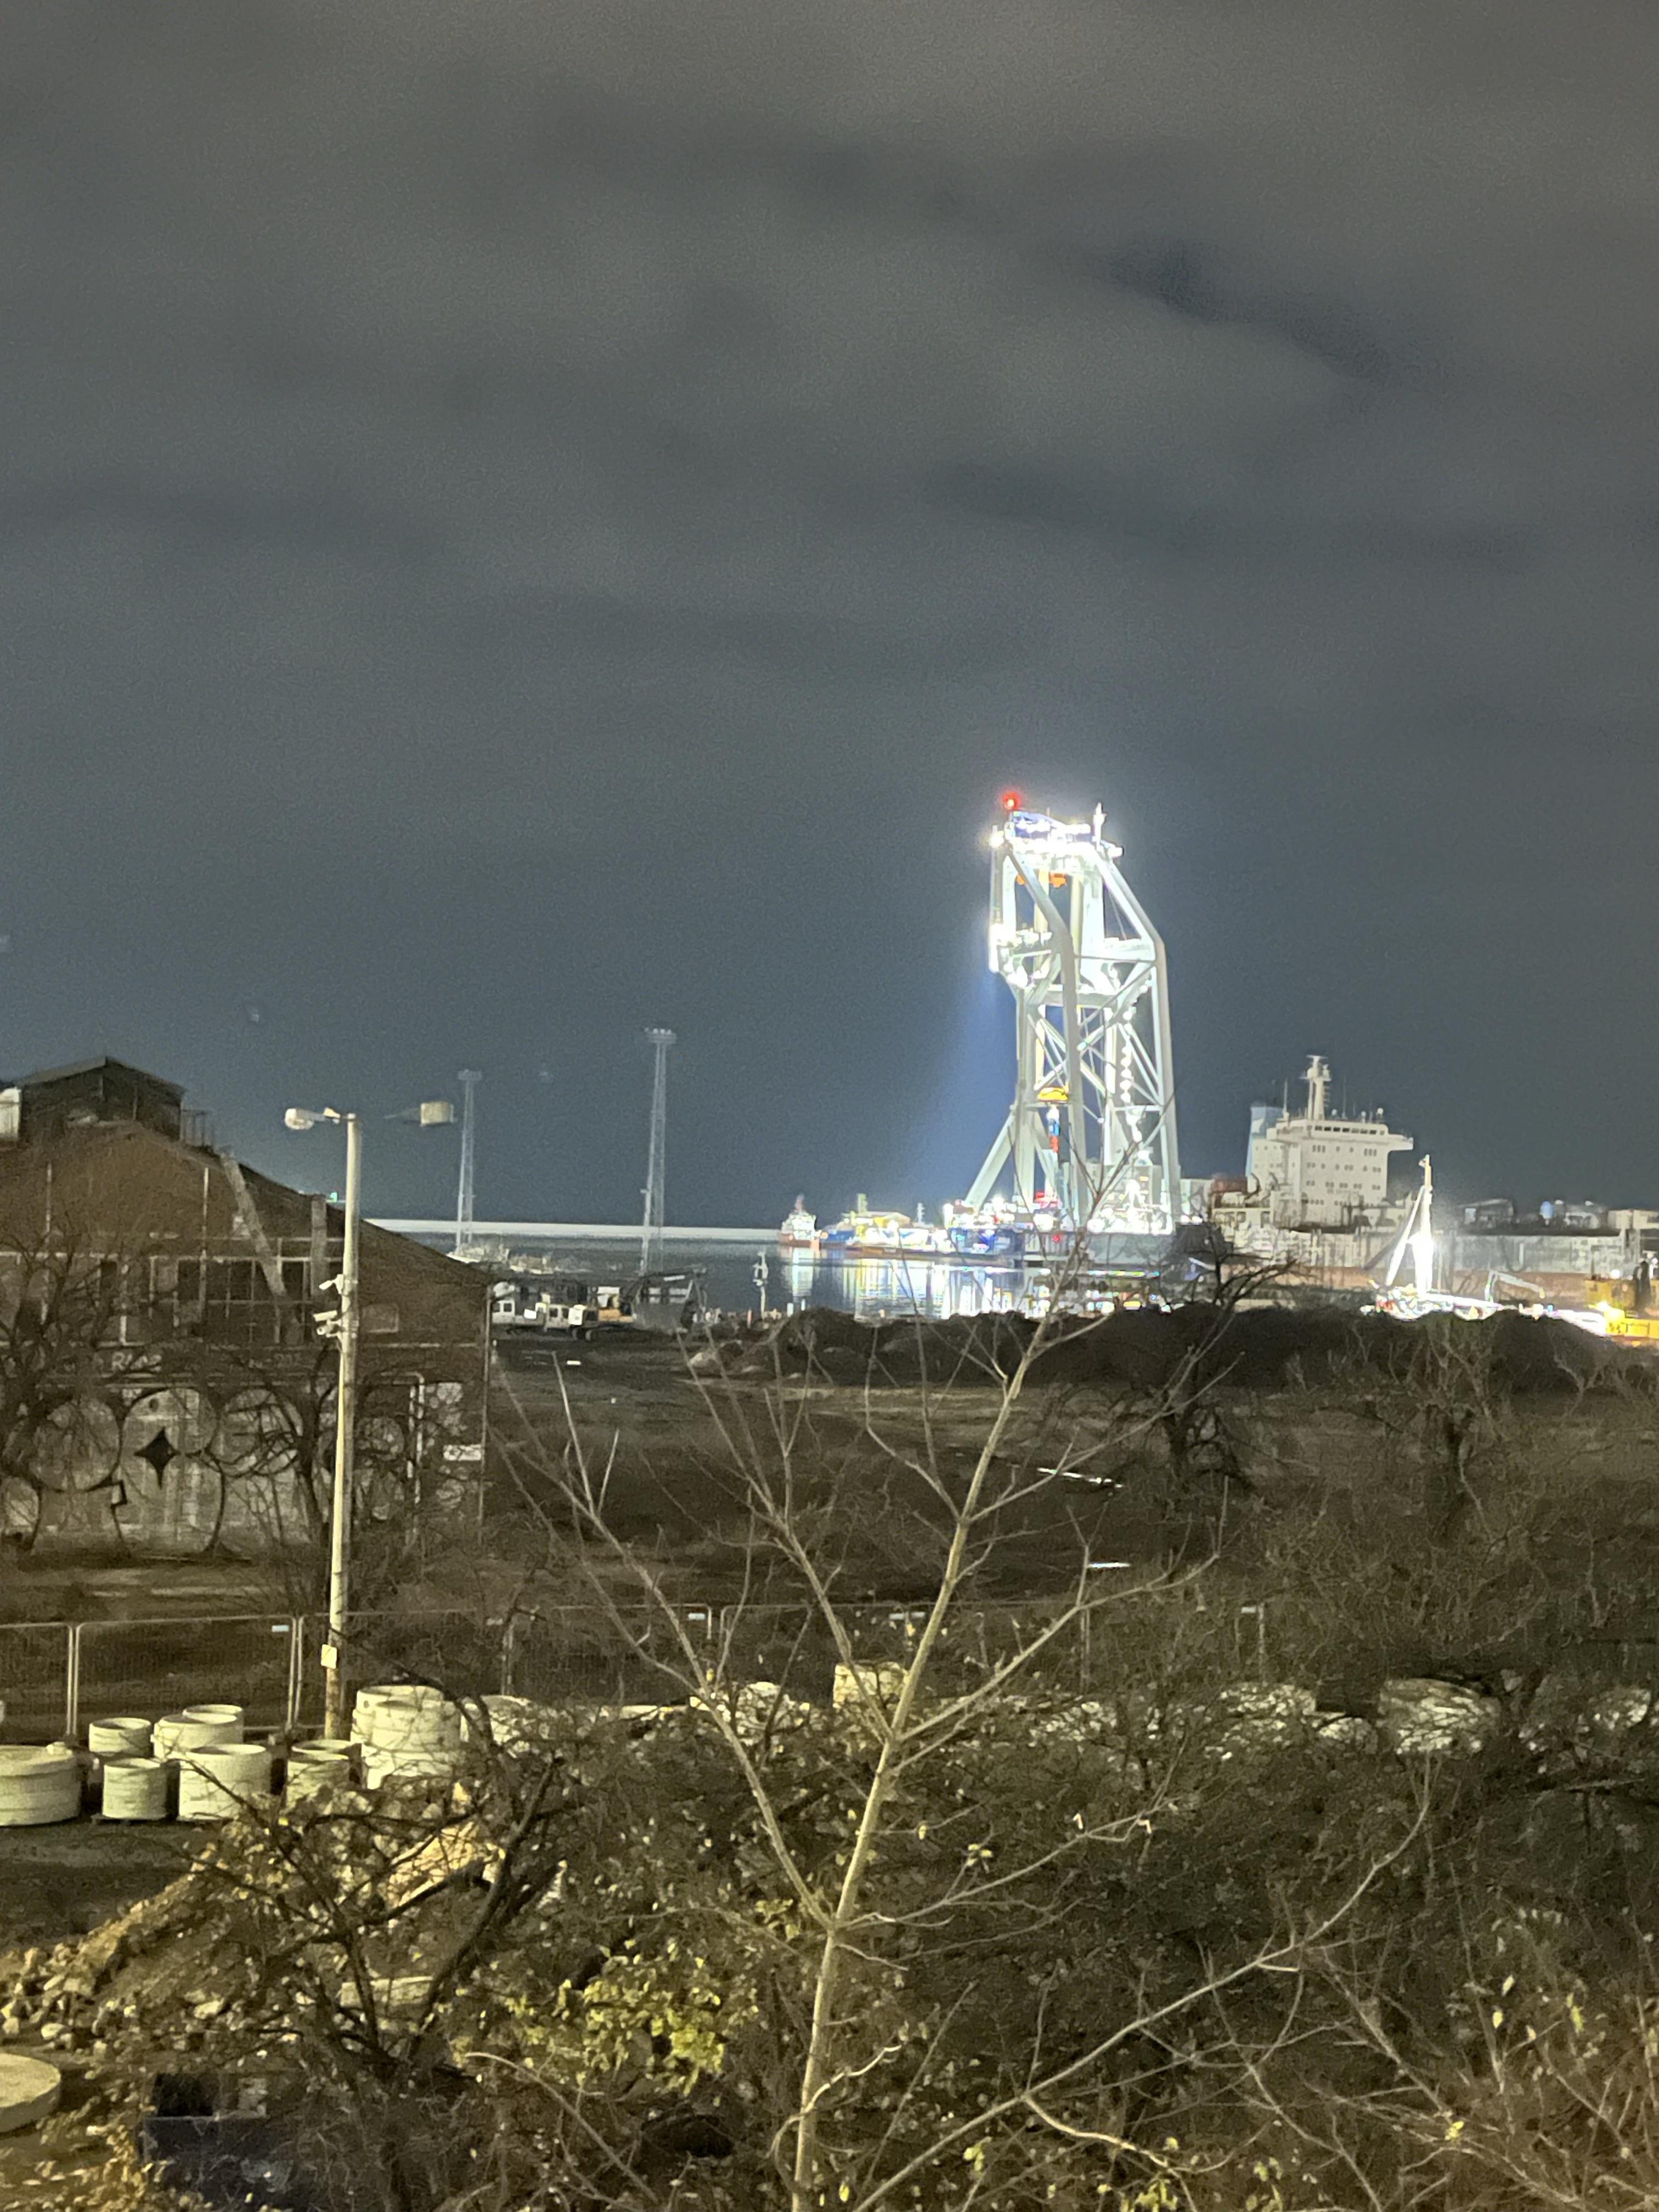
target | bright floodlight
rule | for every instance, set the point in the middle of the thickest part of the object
(301, 1117)
(433, 1113)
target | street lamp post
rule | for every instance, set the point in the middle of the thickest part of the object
(345, 1403)
(346, 1417)
(345, 1435)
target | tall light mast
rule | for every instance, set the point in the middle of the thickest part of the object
(657, 1157)
(469, 1079)
(1090, 1134)
(1423, 1237)
(1416, 1237)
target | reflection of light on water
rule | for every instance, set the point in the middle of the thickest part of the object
(878, 1287)
(933, 1290)
(905, 1286)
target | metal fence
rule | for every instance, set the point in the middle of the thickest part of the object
(36, 1677)
(246, 1659)
(56, 1676)
(589, 1656)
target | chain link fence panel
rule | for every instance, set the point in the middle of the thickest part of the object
(788, 1644)
(54, 1673)
(34, 1670)
(1055, 1648)
(462, 1654)
(583, 1654)
(1038, 1649)
(157, 1667)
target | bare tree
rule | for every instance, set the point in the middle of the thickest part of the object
(61, 1303)
(885, 2089)
(273, 1450)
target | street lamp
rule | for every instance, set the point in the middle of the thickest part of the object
(345, 1407)
(345, 1411)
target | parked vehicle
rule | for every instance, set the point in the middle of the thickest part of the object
(533, 1305)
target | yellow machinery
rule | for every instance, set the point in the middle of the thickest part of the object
(1617, 1300)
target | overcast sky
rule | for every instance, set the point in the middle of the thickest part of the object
(526, 520)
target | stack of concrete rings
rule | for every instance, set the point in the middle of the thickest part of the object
(217, 1780)
(408, 1731)
(137, 1788)
(126, 1738)
(323, 1763)
(196, 1729)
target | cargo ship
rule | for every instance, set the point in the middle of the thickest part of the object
(863, 1234)
(989, 1237)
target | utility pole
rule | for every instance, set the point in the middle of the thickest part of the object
(657, 1157)
(469, 1080)
(345, 1433)
(343, 1327)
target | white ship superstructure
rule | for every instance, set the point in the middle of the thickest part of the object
(799, 1231)
(1316, 1170)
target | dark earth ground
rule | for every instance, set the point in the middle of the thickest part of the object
(675, 1448)
(61, 1881)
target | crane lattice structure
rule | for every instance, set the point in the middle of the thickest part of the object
(1090, 1135)
(469, 1079)
(657, 1157)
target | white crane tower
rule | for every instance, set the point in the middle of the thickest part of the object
(657, 1157)
(469, 1079)
(1090, 1134)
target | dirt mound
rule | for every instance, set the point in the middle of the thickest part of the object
(1530, 1355)
(832, 1347)
(1258, 1348)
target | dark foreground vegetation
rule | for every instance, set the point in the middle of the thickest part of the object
(1308, 1860)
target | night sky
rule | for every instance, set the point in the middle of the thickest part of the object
(522, 521)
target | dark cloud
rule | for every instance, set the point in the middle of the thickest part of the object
(523, 521)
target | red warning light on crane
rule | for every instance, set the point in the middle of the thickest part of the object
(1011, 802)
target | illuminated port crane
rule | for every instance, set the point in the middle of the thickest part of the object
(1090, 1135)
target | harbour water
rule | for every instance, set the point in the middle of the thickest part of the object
(872, 1288)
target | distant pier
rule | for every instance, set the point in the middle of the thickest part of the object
(537, 1232)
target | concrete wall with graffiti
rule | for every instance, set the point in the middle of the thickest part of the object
(170, 1470)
